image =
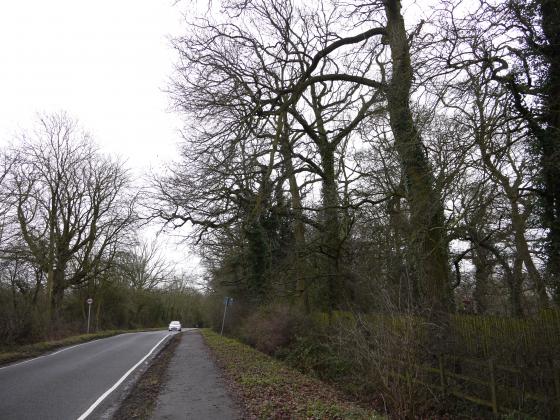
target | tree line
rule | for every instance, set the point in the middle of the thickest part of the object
(376, 184)
(69, 217)
(370, 157)
(336, 156)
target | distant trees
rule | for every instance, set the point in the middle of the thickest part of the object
(143, 267)
(67, 212)
(70, 205)
(69, 231)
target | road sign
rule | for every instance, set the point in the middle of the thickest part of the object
(89, 302)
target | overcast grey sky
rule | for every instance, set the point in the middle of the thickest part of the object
(105, 62)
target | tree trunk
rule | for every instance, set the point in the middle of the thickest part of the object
(257, 255)
(330, 244)
(550, 141)
(255, 233)
(299, 228)
(427, 219)
(483, 271)
(57, 293)
(51, 261)
(97, 314)
(404, 279)
(330, 238)
(519, 228)
(515, 283)
(38, 282)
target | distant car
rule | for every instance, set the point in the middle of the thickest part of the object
(175, 326)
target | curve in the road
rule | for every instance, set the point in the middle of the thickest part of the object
(73, 381)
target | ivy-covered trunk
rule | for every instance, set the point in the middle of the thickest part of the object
(330, 243)
(296, 206)
(57, 295)
(550, 140)
(427, 219)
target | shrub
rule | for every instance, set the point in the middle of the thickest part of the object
(271, 390)
(272, 329)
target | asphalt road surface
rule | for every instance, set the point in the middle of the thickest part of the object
(194, 387)
(69, 383)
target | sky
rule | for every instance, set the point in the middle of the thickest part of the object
(105, 62)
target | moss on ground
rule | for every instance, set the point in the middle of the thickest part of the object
(271, 390)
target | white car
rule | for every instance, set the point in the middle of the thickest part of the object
(175, 326)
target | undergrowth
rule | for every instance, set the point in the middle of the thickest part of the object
(271, 389)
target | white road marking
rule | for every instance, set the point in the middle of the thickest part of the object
(40, 357)
(106, 393)
(56, 352)
(64, 349)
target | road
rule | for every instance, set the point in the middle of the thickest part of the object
(69, 383)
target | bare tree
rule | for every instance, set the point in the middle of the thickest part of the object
(513, 45)
(309, 123)
(72, 204)
(143, 267)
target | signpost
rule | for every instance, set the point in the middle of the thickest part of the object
(89, 302)
(228, 301)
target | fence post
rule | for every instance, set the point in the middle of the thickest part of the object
(556, 372)
(442, 377)
(493, 386)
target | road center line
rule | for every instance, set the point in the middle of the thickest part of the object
(106, 393)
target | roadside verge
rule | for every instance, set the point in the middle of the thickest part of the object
(269, 389)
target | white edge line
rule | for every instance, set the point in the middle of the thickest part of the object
(56, 352)
(45, 355)
(106, 393)
(40, 357)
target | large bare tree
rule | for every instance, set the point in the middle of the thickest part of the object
(72, 205)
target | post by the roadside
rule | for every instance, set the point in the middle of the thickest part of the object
(442, 378)
(556, 372)
(227, 302)
(493, 392)
(89, 302)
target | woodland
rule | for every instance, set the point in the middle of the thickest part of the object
(375, 184)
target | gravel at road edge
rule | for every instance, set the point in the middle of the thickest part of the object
(140, 402)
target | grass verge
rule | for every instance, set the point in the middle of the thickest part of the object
(37, 349)
(271, 390)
